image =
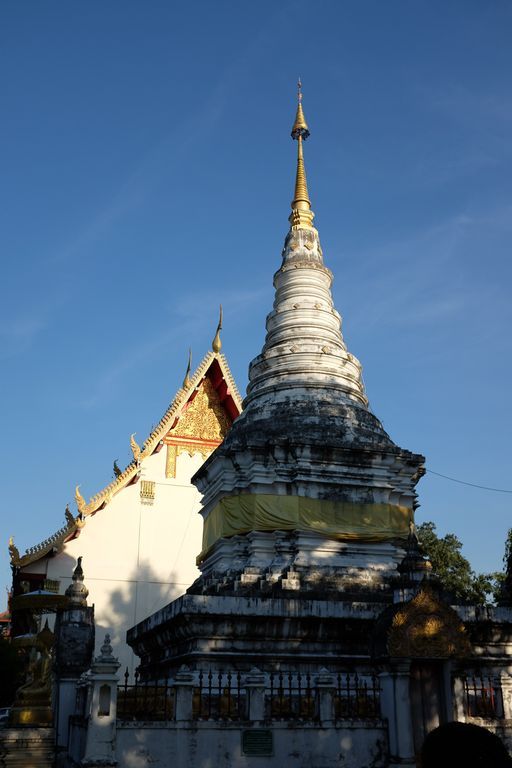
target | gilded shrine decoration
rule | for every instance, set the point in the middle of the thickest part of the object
(427, 628)
(201, 428)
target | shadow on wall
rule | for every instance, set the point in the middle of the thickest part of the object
(136, 598)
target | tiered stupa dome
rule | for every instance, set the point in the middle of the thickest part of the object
(305, 381)
(306, 454)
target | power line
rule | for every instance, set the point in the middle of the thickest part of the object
(473, 485)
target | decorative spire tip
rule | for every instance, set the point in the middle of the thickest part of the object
(187, 380)
(301, 216)
(300, 127)
(217, 343)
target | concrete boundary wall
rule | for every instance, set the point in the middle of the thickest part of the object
(354, 744)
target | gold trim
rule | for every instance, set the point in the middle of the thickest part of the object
(170, 461)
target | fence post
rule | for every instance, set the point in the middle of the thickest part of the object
(101, 728)
(325, 687)
(459, 704)
(506, 693)
(184, 685)
(255, 687)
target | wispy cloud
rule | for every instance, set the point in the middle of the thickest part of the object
(18, 334)
(477, 125)
(464, 104)
(412, 281)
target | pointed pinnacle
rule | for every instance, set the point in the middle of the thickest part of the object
(217, 343)
(301, 216)
(187, 381)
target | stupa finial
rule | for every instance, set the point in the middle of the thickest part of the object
(301, 216)
(217, 343)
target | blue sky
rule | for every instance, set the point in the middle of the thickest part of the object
(146, 174)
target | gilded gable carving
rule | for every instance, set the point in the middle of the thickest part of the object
(426, 627)
(202, 426)
(205, 418)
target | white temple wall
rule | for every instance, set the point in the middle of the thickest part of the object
(137, 557)
(216, 745)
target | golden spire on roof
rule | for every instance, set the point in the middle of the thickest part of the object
(187, 380)
(301, 216)
(217, 343)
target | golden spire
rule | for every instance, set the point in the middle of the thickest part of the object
(187, 381)
(301, 216)
(217, 343)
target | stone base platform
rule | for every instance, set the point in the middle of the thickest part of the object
(27, 747)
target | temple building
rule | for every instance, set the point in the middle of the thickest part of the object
(139, 536)
(314, 633)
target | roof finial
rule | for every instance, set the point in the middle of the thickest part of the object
(302, 215)
(80, 501)
(135, 447)
(217, 343)
(187, 381)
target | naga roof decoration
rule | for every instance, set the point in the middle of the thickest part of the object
(130, 473)
(55, 541)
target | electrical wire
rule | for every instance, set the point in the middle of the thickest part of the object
(472, 485)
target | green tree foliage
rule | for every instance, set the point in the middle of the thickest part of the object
(454, 570)
(504, 590)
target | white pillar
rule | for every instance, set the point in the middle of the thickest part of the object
(101, 728)
(396, 708)
(459, 694)
(506, 692)
(325, 688)
(184, 684)
(255, 687)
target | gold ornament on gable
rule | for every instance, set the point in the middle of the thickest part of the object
(204, 422)
(425, 627)
(205, 418)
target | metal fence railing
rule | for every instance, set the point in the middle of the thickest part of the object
(221, 695)
(483, 697)
(145, 701)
